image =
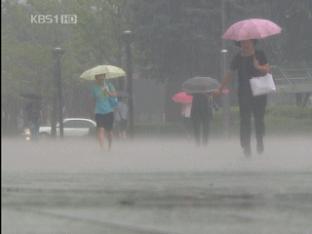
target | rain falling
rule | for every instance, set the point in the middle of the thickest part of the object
(163, 117)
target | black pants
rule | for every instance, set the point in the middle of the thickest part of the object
(201, 129)
(187, 125)
(249, 105)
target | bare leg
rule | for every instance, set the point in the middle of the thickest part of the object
(101, 136)
(110, 139)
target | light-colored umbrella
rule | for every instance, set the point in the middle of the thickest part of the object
(251, 29)
(110, 71)
(200, 85)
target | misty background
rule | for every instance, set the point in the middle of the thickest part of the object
(171, 42)
(158, 182)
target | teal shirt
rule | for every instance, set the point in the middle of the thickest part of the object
(102, 105)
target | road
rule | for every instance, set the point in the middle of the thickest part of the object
(156, 186)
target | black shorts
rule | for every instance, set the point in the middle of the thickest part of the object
(105, 121)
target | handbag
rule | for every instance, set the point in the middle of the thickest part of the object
(113, 101)
(262, 85)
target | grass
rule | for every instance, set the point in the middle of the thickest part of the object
(286, 120)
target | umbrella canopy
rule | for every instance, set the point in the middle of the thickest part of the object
(251, 29)
(110, 71)
(183, 98)
(200, 85)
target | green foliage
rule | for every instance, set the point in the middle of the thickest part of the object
(173, 40)
(286, 120)
(283, 119)
(27, 62)
(294, 112)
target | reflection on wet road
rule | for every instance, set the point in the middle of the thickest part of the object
(227, 194)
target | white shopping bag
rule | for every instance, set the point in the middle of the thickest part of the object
(262, 85)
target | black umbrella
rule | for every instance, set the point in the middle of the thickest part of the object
(200, 85)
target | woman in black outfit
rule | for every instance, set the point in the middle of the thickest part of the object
(249, 63)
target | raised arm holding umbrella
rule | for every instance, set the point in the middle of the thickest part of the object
(105, 97)
(249, 63)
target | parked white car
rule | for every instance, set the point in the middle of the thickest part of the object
(72, 127)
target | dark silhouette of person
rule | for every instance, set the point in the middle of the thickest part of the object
(201, 114)
(249, 63)
(32, 112)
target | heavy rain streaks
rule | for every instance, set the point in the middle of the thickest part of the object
(157, 117)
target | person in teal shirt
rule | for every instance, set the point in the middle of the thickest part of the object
(102, 92)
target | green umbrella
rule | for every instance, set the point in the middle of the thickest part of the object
(110, 71)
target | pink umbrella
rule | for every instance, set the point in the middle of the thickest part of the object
(182, 97)
(251, 29)
(226, 91)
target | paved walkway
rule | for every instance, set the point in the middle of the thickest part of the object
(156, 186)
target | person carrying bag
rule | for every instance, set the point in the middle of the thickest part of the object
(262, 85)
(248, 64)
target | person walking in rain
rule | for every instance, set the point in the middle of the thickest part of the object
(32, 115)
(201, 115)
(102, 91)
(121, 118)
(249, 63)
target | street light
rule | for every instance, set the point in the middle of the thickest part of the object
(57, 54)
(226, 98)
(127, 35)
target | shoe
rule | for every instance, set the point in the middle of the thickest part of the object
(247, 151)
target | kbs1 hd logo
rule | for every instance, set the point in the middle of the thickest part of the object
(53, 19)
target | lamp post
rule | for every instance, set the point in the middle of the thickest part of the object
(57, 53)
(225, 98)
(127, 35)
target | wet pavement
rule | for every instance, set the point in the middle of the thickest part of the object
(156, 186)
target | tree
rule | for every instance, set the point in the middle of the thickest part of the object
(27, 48)
(178, 39)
